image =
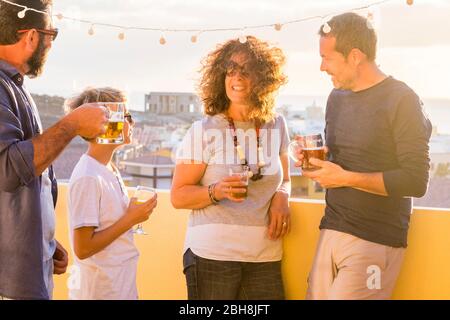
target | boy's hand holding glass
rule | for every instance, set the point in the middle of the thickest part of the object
(141, 206)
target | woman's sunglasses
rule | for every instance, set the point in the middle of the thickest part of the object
(232, 68)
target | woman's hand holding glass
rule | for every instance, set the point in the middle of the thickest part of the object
(228, 187)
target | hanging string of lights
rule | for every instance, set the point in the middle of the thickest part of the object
(278, 26)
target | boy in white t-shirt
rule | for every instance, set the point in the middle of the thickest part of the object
(101, 216)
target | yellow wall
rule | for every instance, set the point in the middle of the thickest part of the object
(425, 273)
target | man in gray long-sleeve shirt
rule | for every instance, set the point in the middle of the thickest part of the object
(28, 252)
(377, 138)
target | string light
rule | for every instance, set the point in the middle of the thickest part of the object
(326, 28)
(242, 38)
(22, 13)
(194, 38)
(91, 30)
(370, 20)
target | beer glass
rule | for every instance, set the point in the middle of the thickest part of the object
(142, 194)
(114, 128)
(244, 173)
(310, 146)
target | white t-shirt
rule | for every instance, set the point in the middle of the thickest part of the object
(233, 231)
(97, 197)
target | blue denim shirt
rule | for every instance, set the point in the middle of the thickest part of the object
(21, 252)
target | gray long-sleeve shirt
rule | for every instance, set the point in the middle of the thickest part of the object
(21, 252)
(380, 129)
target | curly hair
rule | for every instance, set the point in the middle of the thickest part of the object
(265, 63)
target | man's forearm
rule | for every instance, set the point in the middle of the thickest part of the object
(367, 182)
(51, 143)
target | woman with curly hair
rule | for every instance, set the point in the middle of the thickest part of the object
(233, 246)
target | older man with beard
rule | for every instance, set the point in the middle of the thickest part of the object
(29, 254)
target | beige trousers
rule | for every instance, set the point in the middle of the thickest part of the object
(347, 267)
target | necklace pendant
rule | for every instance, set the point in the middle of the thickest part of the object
(261, 162)
(240, 153)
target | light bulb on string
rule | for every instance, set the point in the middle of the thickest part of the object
(194, 38)
(91, 30)
(326, 28)
(242, 37)
(278, 26)
(21, 14)
(410, 2)
(162, 40)
(374, 18)
(59, 16)
(370, 20)
(121, 35)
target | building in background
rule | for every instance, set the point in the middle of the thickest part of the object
(172, 103)
(153, 169)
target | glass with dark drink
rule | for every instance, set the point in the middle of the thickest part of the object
(310, 146)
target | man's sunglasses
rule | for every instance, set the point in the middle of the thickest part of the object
(51, 32)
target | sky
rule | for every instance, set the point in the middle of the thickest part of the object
(413, 43)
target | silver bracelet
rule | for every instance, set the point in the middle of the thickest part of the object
(211, 187)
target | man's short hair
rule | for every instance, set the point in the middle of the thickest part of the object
(10, 23)
(352, 31)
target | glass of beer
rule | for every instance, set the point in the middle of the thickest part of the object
(244, 173)
(114, 128)
(310, 146)
(142, 194)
